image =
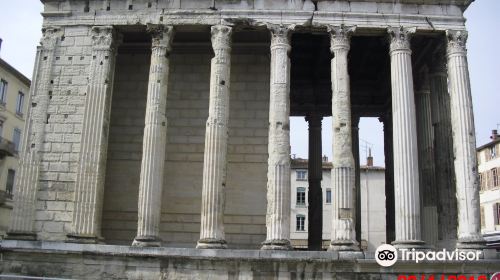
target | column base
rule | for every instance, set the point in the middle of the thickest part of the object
(146, 241)
(476, 242)
(12, 235)
(211, 243)
(410, 244)
(85, 239)
(343, 245)
(276, 244)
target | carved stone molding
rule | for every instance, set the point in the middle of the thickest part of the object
(162, 35)
(221, 37)
(400, 37)
(280, 34)
(50, 37)
(340, 36)
(457, 40)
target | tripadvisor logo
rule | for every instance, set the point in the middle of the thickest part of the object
(387, 255)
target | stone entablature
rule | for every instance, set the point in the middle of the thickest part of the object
(424, 15)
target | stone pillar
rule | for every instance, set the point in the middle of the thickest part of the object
(89, 187)
(357, 177)
(425, 137)
(443, 152)
(278, 172)
(343, 179)
(216, 137)
(390, 222)
(406, 179)
(155, 139)
(315, 175)
(26, 185)
(464, 143)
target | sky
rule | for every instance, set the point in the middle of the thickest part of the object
(20, 29)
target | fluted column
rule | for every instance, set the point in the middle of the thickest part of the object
(443, 152)
(343, 171)
(425, 136)
(89, 187)
(155, 139)
(278, 172)
(26, 185)
(315, 175)
(216, 137)
(406, 179)
(464, 143)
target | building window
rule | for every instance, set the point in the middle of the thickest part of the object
(9, 188)
(19, 104)
(494, 175)
(3, 91)
(300, 223)
(16, 138)
(496, 215)
(493, 152)
(301, 175)
(483, 224)
(301, 196)
(481, 182)
(1, 128)
(328, 196)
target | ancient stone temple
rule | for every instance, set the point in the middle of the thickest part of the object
(157, 144)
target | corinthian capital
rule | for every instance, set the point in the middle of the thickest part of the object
(103, 37)
(221, 37)
(50, 35)
(340, 36)
(280, 34)
(400, 37)
(456, 41)
(162, 35)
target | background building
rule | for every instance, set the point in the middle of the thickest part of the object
(372, 188)
(14, 87)
(489, 176)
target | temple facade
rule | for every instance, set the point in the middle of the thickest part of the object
(165, 124)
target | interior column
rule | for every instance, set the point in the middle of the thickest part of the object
(315, 193)
(443, 151)
(425, 136)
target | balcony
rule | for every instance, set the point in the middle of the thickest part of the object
(7, 148)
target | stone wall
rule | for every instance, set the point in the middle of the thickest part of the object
(63, 128)
(187, 111)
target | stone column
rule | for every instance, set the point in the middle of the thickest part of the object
(343, 171)
(464, 143)
(390, 223)
(443, 152)
(278, 172)
(425, 137)
(89, 187)
(26, 185)
(216, 137)
(315, 175)
(155, 139)
(406, 179)
(357, 176)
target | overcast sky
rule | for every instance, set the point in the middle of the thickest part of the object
(20, 25)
